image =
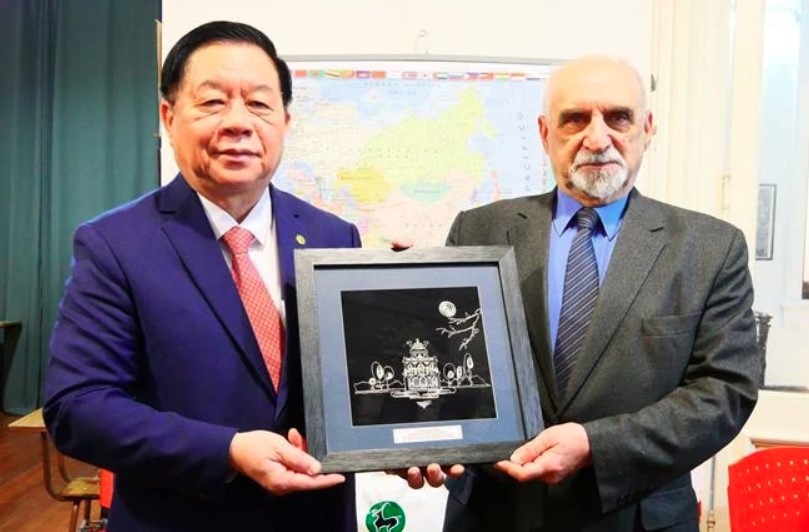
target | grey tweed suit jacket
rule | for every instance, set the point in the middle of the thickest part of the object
(667, 375)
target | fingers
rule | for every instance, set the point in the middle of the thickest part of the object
(455, 470)
(527, 461)
(401, 244)
(551, 456)
(280, 466)
(524, 473)
(299, 482)
(295, 470)
(434, 475)
(414, 478)
(437, 475)
(296, 459)
(509, 468)
(281, 481)
(530, 451)
(296, 439)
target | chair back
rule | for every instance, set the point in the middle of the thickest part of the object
(105, 488)
(768, 491)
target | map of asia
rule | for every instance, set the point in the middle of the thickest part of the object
(400, 148)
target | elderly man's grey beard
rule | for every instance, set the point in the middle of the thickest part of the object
(603, 183)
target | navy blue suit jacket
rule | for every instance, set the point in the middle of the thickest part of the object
(154, 367)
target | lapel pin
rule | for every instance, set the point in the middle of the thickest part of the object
(300, 239)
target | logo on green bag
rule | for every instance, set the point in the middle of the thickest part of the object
(385, 516)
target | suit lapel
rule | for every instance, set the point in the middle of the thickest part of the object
(640, 242)
(288, 227)
(530, 238)
(190, 233)
(290, 234)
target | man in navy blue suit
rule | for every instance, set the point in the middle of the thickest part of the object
(156, 373)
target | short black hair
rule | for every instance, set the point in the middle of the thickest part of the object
(217, 32)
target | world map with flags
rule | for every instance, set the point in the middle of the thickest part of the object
(399, 148)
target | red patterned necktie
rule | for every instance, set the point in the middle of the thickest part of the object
(261, 311)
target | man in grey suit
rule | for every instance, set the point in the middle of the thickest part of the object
(666, 373)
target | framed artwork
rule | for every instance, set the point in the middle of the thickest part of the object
(415, 357)
(765, 225)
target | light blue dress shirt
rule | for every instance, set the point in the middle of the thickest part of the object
(563, 230)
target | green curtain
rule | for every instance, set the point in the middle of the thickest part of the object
(78, 115)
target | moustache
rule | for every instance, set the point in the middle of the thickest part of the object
(585, 157)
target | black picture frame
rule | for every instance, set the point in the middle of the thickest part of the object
(381, 306)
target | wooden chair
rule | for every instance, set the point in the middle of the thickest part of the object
(768, 491)
(80, 491)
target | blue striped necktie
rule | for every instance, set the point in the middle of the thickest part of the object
(579, 297)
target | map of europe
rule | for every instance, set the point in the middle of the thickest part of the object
(400, 149)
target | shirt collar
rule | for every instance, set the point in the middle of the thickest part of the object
(258, 221)
(610, 214)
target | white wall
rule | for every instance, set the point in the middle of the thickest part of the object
(512, 28)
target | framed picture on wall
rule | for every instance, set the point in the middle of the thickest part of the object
(414, 357)
(765, 225)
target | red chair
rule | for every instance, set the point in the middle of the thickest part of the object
(106, 481)
(768, 491)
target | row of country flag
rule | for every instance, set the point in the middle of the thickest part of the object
(412, 75)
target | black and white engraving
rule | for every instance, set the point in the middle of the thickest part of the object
(416, 355)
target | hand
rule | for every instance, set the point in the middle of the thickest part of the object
(278, 465)
(401, 244)
(434, 474)
(551, 457)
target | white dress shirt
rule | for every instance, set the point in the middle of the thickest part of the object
(264, 249)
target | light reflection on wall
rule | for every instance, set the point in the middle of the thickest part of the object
(778, 244)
